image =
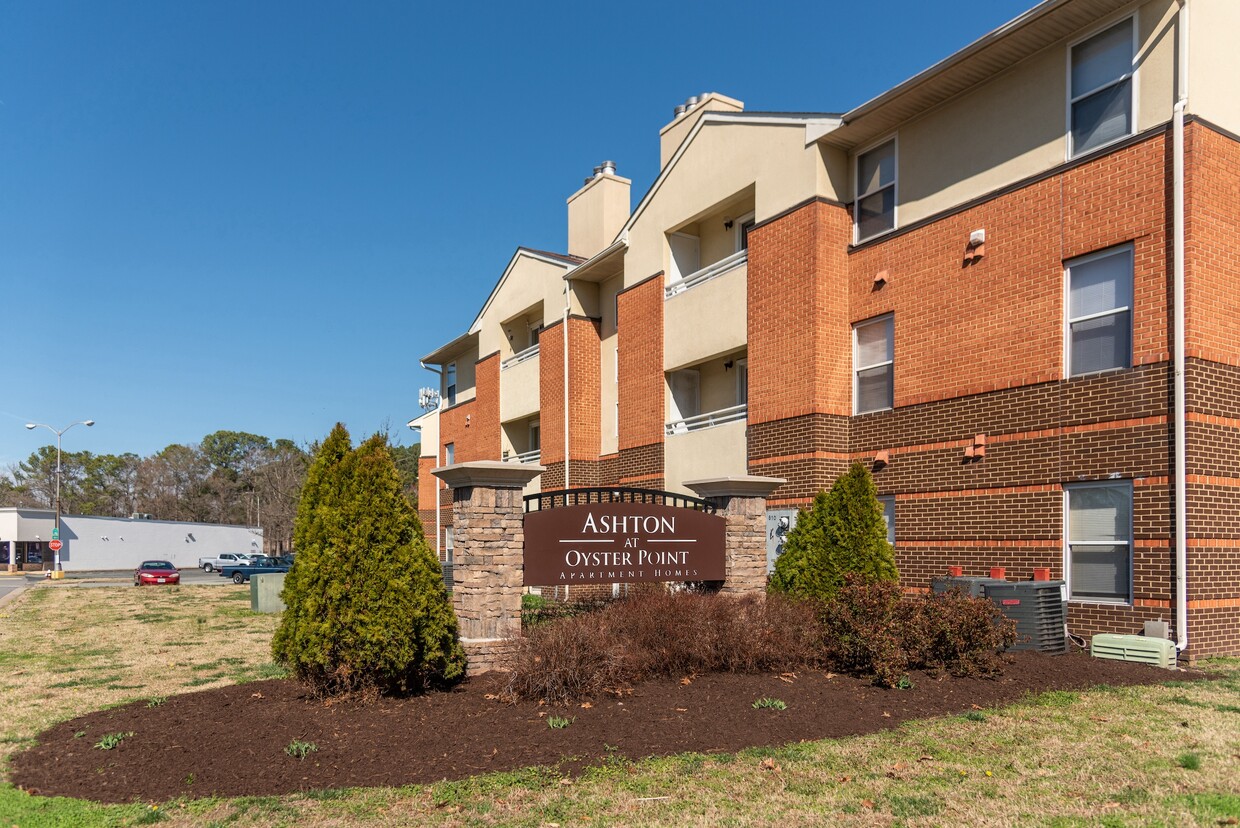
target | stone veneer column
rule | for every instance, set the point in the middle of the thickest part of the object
(489, 556)
(741, 500)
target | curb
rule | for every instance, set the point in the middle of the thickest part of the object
(10, 597)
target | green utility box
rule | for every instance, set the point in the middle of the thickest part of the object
(1157, 651)
(265, 590)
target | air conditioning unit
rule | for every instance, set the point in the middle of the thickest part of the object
(1040, 610)
(1157, 651)
(973, 587)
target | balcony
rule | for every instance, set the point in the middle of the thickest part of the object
(707, 420)
(519, 385)
(715, 447)
(707, 273)
(520, 357)
(524, 457)
(721, 299)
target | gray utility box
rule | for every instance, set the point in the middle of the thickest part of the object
(1040, 610)
(973, 587)
(265, 589)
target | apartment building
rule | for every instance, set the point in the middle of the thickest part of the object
(971, 283)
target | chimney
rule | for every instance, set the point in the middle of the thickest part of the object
(597, 211)
(686, 115)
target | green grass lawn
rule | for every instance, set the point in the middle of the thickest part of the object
(1166, 755)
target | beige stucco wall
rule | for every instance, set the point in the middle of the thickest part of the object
(530, 281)
(429, 431)
(711, 452)
(1214, 62)
(725, 161)
(1015, 126)
(706, 320)
(596, 213)
(466, 376)
(674, 132)
(608, 390)
(518, 389)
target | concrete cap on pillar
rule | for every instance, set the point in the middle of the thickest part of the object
(738, 485)
(493, 473)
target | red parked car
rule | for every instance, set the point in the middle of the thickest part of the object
(156, 572)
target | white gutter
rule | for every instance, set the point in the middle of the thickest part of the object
(1181, 442)
(438, 482)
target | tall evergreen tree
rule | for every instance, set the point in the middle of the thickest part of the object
(367, 610)
(842, 533)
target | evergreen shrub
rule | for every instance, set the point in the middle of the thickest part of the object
(367, 612)
(843, 533)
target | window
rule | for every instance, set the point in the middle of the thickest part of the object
(873, 364)
(1099, 533)
(449, 453)
(686, 388)
(889, 516)
(535, 330)
(535, 438)
(449, 383)
(1100, 92)
(449, 545)
(742, 381)
(875, 210)
(1099, 326)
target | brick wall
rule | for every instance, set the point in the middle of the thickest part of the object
(799, 351)
(997, 322)
(1212, 269)
(641, 388)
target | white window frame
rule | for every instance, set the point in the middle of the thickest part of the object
(535, 437)
(1068, 543)
(742, 381)
(449, 454)
(887, 318)
(1132, 20)
(741, 228)
(449, 545)
(449, 389)
(1123, 249)
(894, 185)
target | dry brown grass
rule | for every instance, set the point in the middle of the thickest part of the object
(66, 650)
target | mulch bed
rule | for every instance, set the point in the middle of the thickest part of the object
(231, 741)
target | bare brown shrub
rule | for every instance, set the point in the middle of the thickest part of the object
(659, 634)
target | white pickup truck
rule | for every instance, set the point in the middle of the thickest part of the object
(224, 559)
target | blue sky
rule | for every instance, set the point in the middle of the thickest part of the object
(257, 216)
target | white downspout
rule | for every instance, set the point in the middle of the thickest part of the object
(1181, 443)
(438, 482)
(565, 334)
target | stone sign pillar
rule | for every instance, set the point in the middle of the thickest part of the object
(489, 538)
(741, 501)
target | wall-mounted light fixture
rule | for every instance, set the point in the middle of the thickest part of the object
(976, 248)
(727, 223)
(727, 366)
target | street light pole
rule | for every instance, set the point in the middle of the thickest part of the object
(59, 434)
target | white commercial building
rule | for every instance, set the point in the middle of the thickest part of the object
(97, 543)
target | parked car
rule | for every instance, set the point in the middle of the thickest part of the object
(222, 560)
(156, 572)
(240, 573)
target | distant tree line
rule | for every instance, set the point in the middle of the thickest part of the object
(230, 477)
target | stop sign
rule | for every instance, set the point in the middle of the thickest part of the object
(55, 545)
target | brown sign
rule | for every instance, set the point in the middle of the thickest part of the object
(616, 543)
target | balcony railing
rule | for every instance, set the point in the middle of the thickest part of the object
(712, 418)
(706, 274)
(519, 357)
(524, 457)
